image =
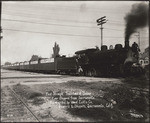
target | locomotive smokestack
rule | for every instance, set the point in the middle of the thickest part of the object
(126, 43)
(136, 18)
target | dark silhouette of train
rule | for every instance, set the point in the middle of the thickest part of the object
(112, 62)
(120, 61)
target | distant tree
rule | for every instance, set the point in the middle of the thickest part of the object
(7, 63)
(35, 58)
(56, 50)
(16, 63)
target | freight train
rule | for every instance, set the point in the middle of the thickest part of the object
(120, 61)
(61, 65)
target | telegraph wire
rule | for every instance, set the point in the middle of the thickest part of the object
(92, 22)
(111, 21)
(47, 23)
(61, 33)
(113, 29)
(41, 18)
(24, 21)
(117, 23)
(57, 33)
(49, 33)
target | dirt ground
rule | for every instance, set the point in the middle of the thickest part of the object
(12, 110)
(61, 98)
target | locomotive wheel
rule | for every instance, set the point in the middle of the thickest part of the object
(86, 73)
(93, 71)
(89, 73)
(121, 70)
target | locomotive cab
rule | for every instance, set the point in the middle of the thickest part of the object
(131, 65)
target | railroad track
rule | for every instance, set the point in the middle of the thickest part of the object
(18, 98)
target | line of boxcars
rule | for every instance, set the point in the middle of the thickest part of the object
(62, 65)
(120, 61)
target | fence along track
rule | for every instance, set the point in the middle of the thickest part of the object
(18, 98)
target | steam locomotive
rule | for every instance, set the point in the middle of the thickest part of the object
(120, 61)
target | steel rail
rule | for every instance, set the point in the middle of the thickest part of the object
(23, 103)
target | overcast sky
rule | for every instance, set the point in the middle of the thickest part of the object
(71, 24)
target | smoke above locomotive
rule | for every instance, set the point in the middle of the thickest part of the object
(135, 19)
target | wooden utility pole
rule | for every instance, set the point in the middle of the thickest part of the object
(101, 34)
(0, 25)
(138, 35)
(101, 21)
(0, 21)
(139, 39)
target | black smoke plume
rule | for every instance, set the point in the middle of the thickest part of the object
(136, 18)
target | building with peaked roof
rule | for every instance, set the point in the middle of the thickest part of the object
(144, 57)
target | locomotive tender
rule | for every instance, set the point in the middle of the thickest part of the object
(120, 61)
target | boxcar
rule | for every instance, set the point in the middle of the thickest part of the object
(66, 65)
